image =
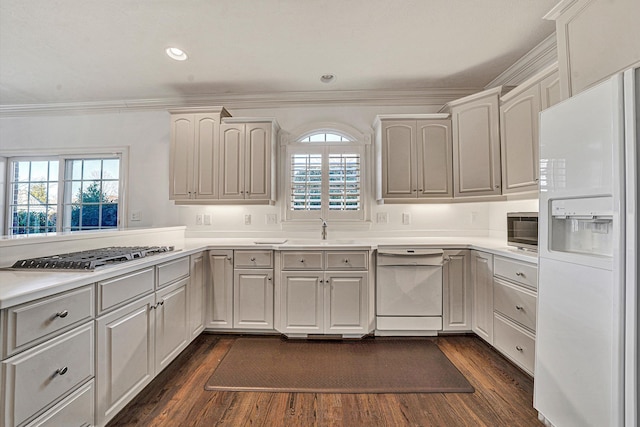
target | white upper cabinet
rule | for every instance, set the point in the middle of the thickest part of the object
(596, 38)
(247, 160)
(414, 157)
(519, 130)
(476, 144)
(193, 172)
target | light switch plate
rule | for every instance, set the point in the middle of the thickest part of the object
(207, 219)
(199, 219)
(406, 218)
(136, 216)
(382, 218)
(271, 219)
(247, 220)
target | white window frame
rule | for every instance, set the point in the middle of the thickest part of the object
(62, 155)
(358, 143)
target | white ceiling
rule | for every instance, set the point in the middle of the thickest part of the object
(65, 51)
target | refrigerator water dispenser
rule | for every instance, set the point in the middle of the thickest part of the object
(582, 226)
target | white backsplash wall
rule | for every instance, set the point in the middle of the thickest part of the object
(455, 219)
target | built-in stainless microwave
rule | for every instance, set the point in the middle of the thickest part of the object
(522, 230)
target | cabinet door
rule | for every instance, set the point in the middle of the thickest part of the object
(219, 300)
(302, 302)
(399, 173)
(434, 154)
(253, 299)
(125, 356)
(196, 295)
(232, 161)
(258, 161)
(482, 283)
(172, 323)
(456, 292)
(181, 157)
(345, 303)
(550, 93)
(519, 138)
(207, 156)
(476, 147)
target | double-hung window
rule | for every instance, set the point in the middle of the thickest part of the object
(325, 178)
(54, 194)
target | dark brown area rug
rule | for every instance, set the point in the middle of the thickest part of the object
(364, 366)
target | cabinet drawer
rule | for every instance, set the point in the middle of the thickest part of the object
(28, 323)
(521, 272)
(253, 259)
(515, 302)
(118, 290)
(515, 342)
(172, 271)
(38, 377)
(347, 260)
(303, 260)
(74, 410)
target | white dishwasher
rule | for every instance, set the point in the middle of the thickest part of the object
(409, 291)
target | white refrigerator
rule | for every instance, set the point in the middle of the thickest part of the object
(586, 371)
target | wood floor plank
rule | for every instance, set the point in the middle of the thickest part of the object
(503, 396)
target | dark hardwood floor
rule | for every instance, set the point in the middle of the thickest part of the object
(503, 396)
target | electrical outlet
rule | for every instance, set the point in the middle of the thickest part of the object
(207, 219)
(271, 219)
(406, 218)
(382, 218)
(199, 219)
(247, 220)
(136, 216)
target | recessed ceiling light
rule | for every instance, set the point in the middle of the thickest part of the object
(176, 53)
(328, 78)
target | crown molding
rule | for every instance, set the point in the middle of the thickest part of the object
(538, 58)
(559, 9)
(403, 97)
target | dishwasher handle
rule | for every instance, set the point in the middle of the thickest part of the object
(410, 257)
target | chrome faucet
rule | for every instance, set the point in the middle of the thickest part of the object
(324, 229)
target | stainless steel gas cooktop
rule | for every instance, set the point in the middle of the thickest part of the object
(91, 259)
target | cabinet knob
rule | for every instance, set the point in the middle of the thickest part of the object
(252, 259)
(62, 314)
(301, 259)
(269, 278)
(229, 258)
(346, 261)
(520, 349)
(497, 186)
(519, 307)
(519, 274)
(421, 190)
(61, 371)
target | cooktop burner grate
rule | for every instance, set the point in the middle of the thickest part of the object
(91, 259)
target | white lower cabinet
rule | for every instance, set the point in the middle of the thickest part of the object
(482, 283)
(219, 295)
(125, 363)
(36, 378)
(77, 409)
(456, 291)
(197, 283)
(514, 310)
(171, 323)
(318, 302)
(253, 299)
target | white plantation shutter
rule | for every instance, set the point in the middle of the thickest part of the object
(306, 182)
(324, 178)
(344, 181)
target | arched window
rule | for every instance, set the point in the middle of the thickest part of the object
(325, 177)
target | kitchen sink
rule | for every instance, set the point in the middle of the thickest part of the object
(319, 242)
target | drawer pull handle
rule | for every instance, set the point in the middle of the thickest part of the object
(269, 278)
(252, 259)
(519, 348)
(519, 307)
(519, 274)
(61, 371)
(346, 261)
(229, 258)
(62, 314)
(301, 259)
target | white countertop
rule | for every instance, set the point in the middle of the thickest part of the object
(17, 287)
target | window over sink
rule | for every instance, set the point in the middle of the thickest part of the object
(325, 177)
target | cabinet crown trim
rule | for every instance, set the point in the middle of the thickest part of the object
(499, 90)
(527, 84)
(193, 110)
